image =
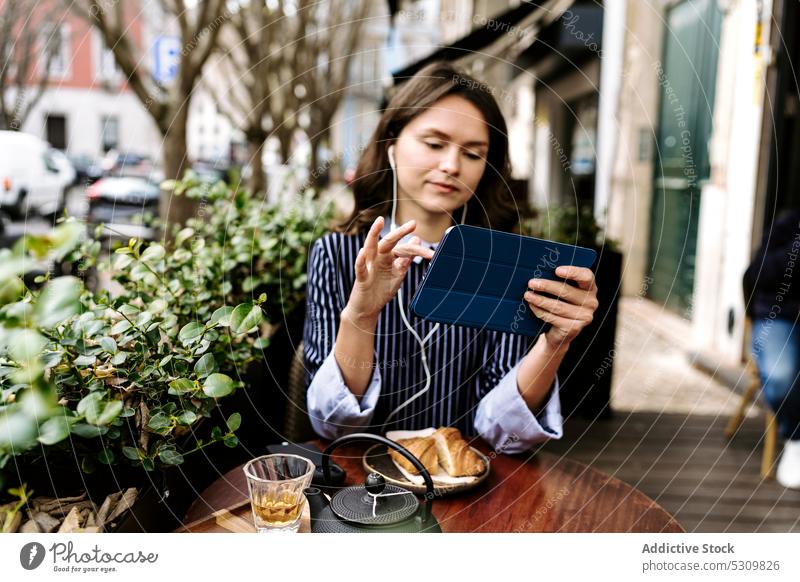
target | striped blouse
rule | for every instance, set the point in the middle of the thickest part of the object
(473, 385)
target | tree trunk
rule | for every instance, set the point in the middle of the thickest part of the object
(317, 172)
(175, 210)
(258, 180)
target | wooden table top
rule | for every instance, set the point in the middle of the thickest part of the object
(523, 493)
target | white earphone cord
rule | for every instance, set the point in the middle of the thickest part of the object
(419, 340)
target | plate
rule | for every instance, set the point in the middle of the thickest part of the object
(377, 459)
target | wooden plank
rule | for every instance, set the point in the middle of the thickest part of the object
(684, 462)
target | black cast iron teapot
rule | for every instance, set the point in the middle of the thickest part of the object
(375, 506)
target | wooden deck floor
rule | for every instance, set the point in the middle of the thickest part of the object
(685, 463)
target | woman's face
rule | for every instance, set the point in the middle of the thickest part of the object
(441, 156)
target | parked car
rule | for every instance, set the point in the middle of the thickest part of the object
(120, 164)
(88, 169)
(125, 205)
(33, 176)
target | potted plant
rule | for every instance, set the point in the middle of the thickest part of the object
(113, 389)
(586, 371)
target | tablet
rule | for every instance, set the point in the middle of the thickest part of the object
(477, 278)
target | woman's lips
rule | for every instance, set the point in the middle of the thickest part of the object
(446, 188)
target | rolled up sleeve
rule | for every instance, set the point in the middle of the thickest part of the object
(503, 418)
(334, 410)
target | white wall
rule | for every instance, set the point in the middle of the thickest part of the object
(84, 110)
(727, 202)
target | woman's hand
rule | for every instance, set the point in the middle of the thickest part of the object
(380, 268)
(572, 310)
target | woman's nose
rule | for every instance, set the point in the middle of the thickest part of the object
(450, 162)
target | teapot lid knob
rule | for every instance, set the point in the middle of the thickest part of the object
(375, 483)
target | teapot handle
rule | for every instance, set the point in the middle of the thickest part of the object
(359, 436)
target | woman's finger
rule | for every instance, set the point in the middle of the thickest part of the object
(400, 266)
(565, 292)
(361, 265)
(413, 250)
(581, 275)
(560, 308)
(388, 242)
(371, 244)
(568, 327)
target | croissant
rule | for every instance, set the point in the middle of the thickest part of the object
(455, 455)
(422, 448)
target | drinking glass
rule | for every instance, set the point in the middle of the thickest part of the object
(276, 484)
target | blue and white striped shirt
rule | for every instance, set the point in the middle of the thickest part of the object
(474, 372)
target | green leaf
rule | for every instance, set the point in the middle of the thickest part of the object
(170, 457)
(221, 316)
(245, 317)
(88, 431)
(184, 235)
(120, 327)
(231, 441)
(148, 465)
(11, 289)
(90, 406)
(190, 332)
(110, 412)
(132, 453)
(17, 431)
(122, 262)
(26, 345)
(181, 386)
(54, 430)
(218, 385)
(87, 465)
(109, 344)
(65, 237)
(157, 306)
(234, 421)
(205, 366)
(106, 456)
(126, 412)
(119, 358)
(82, 361)
(59, 300)
(153, 253)
(159, 422)
(187, 417)
(261, 343)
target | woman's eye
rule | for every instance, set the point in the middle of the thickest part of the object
(472, 156)
(433, 145)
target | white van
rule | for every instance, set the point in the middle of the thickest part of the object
(33, 176)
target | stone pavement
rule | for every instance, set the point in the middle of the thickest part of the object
(653, 372)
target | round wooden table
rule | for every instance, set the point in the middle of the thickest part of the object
(523, 493)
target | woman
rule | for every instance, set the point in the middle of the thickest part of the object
(439, 155)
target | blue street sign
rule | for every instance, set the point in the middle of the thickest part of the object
(166, 58)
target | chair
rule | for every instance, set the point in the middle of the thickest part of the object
(771, 427)
(297, 427)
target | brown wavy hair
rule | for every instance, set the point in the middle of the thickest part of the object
(372, 185)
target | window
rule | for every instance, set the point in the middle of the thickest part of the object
(109, 133)
(57, 40)
(56, 128)
(105, 64)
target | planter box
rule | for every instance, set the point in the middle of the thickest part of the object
(585, 374)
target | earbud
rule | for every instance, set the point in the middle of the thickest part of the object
(390, 153)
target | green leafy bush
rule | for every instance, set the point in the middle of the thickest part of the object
(132, 376)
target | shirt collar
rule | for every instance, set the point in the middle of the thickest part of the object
(387, 228)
